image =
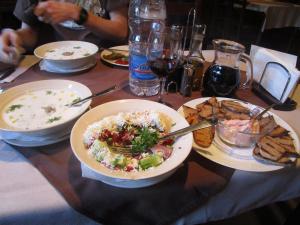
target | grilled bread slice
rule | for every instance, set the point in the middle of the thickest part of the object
(279, 132)
(208, 108)
(270, 149)
(190, 114)
(276, 149)
(234, 106)
(205, 110)
(266, 124)
(230, 115)
(204, 136)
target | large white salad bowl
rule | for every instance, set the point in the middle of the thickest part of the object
(182, 146)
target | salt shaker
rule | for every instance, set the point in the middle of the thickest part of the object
(187, 80)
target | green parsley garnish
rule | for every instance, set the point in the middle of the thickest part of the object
(76, 100)
(13, 108)
(144, 140)
(48, 92)
(51, 120)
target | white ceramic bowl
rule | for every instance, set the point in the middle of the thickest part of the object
(182, 146)
(76, 60)
(10, 132)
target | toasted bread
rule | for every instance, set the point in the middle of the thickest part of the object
(213, 101)
(287, 143)
(278, 132)
(190, 114)
(205, 111)
(234, 106)
(270, 149)
(268, 155)
(266, 124)
(204, 136)
(230, 115)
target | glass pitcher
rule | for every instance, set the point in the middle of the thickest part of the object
(223, 77)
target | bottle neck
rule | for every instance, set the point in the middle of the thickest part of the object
(195, 50)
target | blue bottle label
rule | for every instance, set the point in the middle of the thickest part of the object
(139, 68)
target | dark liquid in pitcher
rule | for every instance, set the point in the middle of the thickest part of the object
(220, 81)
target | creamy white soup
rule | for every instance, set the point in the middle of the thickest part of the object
(69, 52)
(40, 109)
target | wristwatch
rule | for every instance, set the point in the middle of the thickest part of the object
(83, 16)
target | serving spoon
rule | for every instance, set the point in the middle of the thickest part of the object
(100, 93)
(259, 115)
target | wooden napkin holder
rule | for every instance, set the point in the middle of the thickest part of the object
(260, 91)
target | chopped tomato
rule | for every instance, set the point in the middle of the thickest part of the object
(122, 61)
(128, 168)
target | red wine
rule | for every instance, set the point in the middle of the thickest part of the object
(174, 79)
(162, 67)
(220, 81)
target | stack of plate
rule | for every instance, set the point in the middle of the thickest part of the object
(35, 113)
(67, 56)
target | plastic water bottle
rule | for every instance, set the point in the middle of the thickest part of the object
(144, 17)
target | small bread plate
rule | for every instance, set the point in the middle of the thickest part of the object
(237, 157)
(119, 55)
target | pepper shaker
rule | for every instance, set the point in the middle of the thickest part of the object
(187, 80)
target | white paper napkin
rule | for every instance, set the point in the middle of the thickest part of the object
(25, 64)
(275, 79)
(87, 172)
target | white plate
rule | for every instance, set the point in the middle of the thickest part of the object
(15, 92)
(46, 66)
(36, 143)
(236, 158)
(113, 62)
(24, 140)
(182, 146)
(75, 61)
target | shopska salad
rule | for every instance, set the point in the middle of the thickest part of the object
(140, 131)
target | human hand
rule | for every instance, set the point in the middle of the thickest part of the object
(56, 12)
(10, 46)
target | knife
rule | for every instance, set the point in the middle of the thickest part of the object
(5, 73)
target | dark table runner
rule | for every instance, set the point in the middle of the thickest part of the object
(186, 190)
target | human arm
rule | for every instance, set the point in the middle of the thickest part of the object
(114, 28)
(14, 41)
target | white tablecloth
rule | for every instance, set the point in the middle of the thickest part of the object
(278, 14)
(27, 198)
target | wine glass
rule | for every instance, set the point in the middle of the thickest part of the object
(163, 54)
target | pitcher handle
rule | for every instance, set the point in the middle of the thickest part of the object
(249, 80)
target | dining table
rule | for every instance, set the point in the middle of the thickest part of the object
(46, 184)
(278, 14)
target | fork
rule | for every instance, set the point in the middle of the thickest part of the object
(126, 150)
